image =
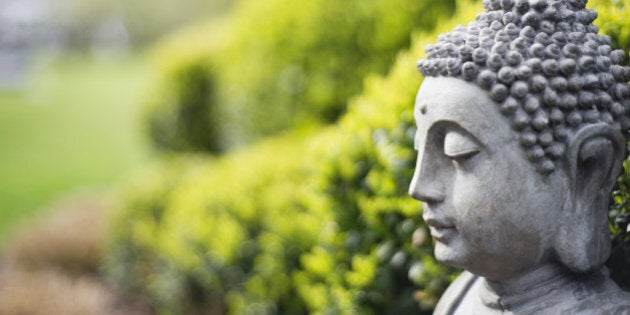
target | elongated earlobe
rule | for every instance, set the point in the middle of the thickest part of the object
(594, 159)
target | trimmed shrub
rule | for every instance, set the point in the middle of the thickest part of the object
(181, 113)
(295, 62)
(613, 21)
(56, 241)
(45, 292)
(54, 266)
(133, 262)
(273, 65)
(219, 233)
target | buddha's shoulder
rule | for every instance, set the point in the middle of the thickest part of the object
(602, 297)
(611, 302)
(455, 293)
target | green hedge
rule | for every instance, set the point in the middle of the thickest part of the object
(181, 112)
(613, 20)
(316, 222)
(197, 234)
(273, 65)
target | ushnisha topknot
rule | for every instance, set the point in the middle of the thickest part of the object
(544, 65)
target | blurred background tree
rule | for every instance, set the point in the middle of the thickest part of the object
(70, 72)
(79, 22)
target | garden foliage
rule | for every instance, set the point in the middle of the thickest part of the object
(273, 65)
(181, 112)
(307, 222)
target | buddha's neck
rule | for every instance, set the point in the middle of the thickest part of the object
(524, 289)
(545, 274)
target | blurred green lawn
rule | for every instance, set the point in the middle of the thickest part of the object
(75, 125)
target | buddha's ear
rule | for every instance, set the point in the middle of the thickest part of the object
(594, 159)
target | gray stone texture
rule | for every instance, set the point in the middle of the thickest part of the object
(520, 136)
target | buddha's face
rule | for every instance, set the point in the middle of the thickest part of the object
(487, 208)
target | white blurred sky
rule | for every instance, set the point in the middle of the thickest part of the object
(23, 10)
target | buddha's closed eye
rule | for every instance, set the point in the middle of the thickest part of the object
(459, 146)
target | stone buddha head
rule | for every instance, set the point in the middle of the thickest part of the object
(521, 121)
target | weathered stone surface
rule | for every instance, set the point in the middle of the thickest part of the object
(518, 151)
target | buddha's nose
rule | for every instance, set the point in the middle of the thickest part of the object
(426, 185)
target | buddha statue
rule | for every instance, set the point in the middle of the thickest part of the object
(522, 124)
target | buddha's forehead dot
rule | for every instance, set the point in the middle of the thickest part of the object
(423, 109)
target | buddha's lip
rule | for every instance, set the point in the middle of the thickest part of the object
(443, 234)
(442, 230)
(438, 224)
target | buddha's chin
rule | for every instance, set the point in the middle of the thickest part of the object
(449, 254)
